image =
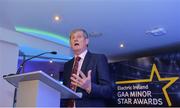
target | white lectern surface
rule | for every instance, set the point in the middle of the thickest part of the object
(66, 93)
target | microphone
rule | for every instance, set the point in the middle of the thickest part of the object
(53, 52)
(22, 64)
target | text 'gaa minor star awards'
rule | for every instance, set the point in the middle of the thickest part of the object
(145, 92)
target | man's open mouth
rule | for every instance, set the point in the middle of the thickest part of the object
(76, 44)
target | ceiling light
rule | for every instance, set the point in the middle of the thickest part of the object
(44, 35)
(95, 34)
(51, 61)
(156, 31)
(51, 75)
(56, 18)
(121, 45)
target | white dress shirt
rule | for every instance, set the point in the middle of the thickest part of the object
(82, 55)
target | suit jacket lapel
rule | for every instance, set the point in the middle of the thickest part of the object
(85, 63)
(69, 71)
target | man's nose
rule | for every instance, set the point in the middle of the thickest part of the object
(75, 40)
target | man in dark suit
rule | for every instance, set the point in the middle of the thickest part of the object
(92, 77)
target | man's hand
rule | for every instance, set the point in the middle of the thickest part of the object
(82, 81)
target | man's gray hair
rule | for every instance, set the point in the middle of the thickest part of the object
(79, 29)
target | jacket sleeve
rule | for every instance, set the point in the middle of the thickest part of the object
(65, 77)
(103, 88)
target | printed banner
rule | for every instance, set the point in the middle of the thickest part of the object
(139, 85)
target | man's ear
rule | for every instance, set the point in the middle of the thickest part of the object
(70, 43)
(87, 41)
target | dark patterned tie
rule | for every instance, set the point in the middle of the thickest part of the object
(71, 102)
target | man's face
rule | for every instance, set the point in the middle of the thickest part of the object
(78, 42)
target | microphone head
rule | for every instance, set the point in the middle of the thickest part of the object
(53, 52)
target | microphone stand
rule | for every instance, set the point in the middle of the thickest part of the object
(24, 58)
(24, 61)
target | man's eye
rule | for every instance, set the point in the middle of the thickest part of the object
(79, 36)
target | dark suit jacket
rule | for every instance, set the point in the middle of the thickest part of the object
(101, 84)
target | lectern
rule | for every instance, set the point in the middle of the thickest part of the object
(37, 89)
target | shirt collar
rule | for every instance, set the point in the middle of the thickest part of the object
(82, 55)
